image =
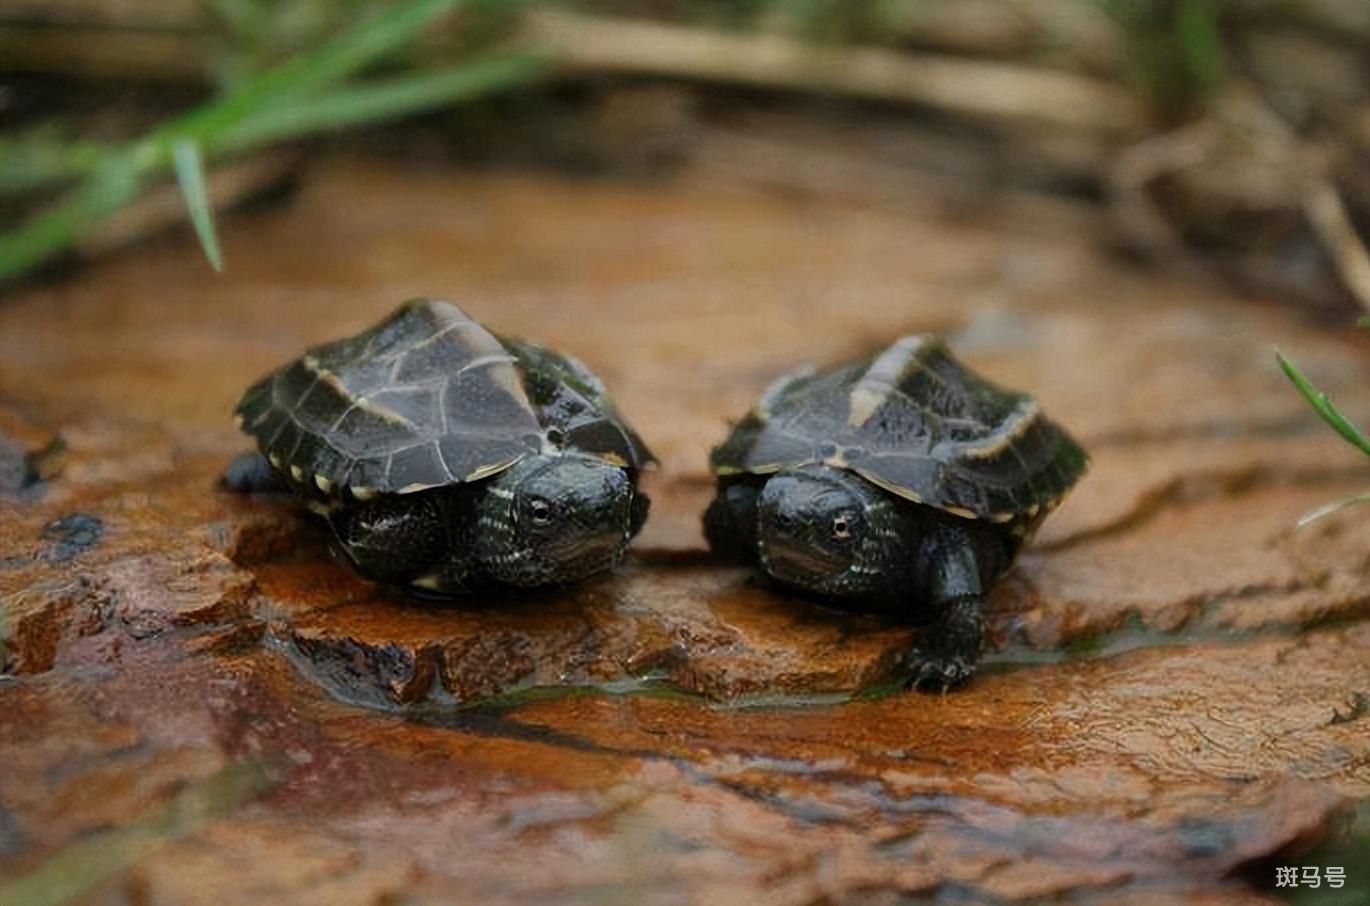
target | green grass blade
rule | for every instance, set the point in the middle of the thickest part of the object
(1329, 509)
(307, 73)
(120, 174)
(1323, 406)
(116, 183)
(190, 175)
(43, 157)
(1199, 33)
(382, 100)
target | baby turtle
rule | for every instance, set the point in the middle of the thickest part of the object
(447, 458)
(902, 482)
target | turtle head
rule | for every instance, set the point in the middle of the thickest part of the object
(828, 531)
(555, 518)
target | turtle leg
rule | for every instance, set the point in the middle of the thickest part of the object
(955, 566)
(730, 520)
(250, 473)
(397, 540)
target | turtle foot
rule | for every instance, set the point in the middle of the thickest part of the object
(938, 672)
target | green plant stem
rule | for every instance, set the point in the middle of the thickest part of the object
(295, 90)
(113, 185)
(1328, 509)
(305, 74)
(377, 101)
(36, 163)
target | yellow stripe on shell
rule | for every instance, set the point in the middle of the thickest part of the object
(493, 469)
(890, 486)
(882, 377)
(776, 389)
(384, 413)
(1024, 416)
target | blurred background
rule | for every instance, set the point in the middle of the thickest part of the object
(1228, 138)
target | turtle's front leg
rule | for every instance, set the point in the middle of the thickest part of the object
(950, 659)
(399, 540)
(955, 565)
(250, 473)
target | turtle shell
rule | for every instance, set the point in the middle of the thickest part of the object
(427, 397)
(916, 422)
(574, 408)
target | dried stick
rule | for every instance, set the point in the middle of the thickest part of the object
(995, 91)
(1327, 214)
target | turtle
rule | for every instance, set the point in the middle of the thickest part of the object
(902, 482)
(448, 459)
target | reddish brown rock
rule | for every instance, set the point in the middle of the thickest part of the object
(1176, 702)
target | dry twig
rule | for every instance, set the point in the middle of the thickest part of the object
(1013, 93)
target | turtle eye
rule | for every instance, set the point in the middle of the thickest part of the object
(842, 526)
(540, 511)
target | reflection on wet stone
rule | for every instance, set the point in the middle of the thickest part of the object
(1179, 695)
(70, 536)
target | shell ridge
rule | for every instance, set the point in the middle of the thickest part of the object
(442, 459)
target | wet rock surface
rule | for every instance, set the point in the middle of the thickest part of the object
(1174, 701)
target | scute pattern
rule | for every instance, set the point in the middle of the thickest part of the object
(425, 398)
(915, 421)
(428, 397)
(571, 399)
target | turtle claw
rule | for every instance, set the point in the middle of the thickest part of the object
(938, 672)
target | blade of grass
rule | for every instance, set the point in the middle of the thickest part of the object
(113, 185)
(44, 157)
(354, 49)
(1329, 509)
(1200, 39)
(190, 175)
(123, 172)
(1323, 405)
(378, 101)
